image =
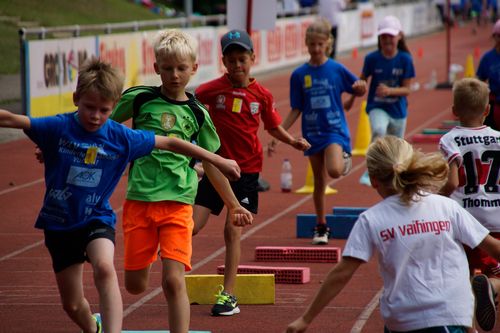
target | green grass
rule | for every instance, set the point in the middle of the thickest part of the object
(51, 13)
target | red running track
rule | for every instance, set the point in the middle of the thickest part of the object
(29, 300)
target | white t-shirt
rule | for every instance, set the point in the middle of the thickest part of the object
(421, 260)
(477, 152)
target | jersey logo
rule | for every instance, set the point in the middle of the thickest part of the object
(307, 81)
(254, 108)
(220, 101)
(237, 103)
(168, 121)
(91, 155)
(83, 176)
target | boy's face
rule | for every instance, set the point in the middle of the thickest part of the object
(238, 63)
(93, 110)
(175, 74)
(317, 45)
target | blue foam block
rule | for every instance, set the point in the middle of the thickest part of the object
(340, 225)
(348, 210)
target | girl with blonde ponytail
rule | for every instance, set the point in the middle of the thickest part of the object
(417, 237)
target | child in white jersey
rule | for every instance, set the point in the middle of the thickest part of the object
(473, 153)
(395, 229)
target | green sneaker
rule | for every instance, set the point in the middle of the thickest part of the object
(225, 304)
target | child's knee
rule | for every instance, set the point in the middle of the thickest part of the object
(173, 284)
(104, 271)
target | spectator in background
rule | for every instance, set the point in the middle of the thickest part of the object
(330, 10)
(489, 71)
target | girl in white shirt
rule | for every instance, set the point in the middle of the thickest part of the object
(418, 238)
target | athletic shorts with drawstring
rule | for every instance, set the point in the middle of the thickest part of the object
(147, 225)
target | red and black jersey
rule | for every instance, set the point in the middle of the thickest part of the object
(236, 114)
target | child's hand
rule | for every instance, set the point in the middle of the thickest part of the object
(229, 168)
(383, 90)
(271, 147)
(297, 326)
(359, 87)
(300, 144)
(240, 216)
(39, 155)
(198, 167)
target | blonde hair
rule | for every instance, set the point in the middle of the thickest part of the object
(470, 97)
(100, 77)
(175, 43)
(408, 172)
(321, 27)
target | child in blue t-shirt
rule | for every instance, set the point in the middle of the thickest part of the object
(391, 70)
(315, 92)
(85, 156)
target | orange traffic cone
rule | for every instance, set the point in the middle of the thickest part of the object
(309, 185)
(355, 53)
(363, 133)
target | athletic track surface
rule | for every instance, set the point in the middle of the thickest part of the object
(29, 300)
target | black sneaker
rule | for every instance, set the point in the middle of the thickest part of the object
(486, 312)
(225, 304)
(321, 233)
(347, 163)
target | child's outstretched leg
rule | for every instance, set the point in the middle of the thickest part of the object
(76, 306)
(174, 288)
(101, 253)
(226, 303)
(321, 231)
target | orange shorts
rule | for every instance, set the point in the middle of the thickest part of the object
(146, 225)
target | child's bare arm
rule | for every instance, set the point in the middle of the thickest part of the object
(452, 182)
(229, 168)
(287, 123)
(281, 134)
(491, 245)
(349, 102)
(11, 120)
(335, 281)
(239, 215)
(384, 90)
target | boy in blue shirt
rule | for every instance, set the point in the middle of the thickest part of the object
(85, 156)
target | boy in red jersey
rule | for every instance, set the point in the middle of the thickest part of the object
(237, 103)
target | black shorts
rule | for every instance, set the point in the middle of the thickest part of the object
(245, 189)
(67, 248)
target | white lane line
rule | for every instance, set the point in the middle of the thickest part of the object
(19, 187)
(21, 250)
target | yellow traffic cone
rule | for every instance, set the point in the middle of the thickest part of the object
(363, 133)
(469, 67)
(309, 185)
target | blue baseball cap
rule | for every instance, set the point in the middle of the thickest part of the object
(236, 37)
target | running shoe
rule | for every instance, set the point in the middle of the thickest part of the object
(486, 312)
(225, 304)
(365, 179)
(98, 321)
(347, 163)
(321, 233)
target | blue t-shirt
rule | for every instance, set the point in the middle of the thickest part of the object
(316, 91)
(83, 168)
(489, 70)
(390, 72)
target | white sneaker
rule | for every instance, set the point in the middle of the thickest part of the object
(320, 235)
(347, 163)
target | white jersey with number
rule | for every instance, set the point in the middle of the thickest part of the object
(421, 259)
(477, 153)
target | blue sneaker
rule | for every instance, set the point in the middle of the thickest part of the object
(365, 179)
